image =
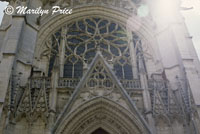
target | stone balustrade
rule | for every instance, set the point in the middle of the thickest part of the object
(67, 82)
(131, 84)
(37, 82)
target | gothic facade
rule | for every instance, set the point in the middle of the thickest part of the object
(104, 69)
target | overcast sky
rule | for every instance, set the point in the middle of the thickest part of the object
(192, 19)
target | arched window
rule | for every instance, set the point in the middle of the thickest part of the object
(73, 68)
(53, 45)
(84, 37)
(139, 52)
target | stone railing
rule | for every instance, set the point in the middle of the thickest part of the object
(131, 84)
(67, 82)
(38, 82)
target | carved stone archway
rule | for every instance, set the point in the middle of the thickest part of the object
(100, 131)
(99, 113)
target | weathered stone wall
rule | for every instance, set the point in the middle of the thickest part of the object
(162, 98)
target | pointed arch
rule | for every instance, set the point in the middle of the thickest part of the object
(116, 106)
(130, 21)
(100, 130)
(99, 112)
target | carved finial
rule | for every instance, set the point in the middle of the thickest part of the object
(98, 48)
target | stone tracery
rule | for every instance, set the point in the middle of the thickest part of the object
(83, 39)
(72, 48)
(78, 42)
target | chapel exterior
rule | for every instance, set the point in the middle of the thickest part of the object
(109, 67)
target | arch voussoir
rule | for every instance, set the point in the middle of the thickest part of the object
(100, 113)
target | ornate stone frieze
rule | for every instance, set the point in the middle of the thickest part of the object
(125, 4)
(116, 3)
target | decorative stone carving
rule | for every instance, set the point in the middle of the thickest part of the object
(99, 113)
(99, 98)
(142, 50)
(99, 84)
(83, 38)
(126, 4)
(33, 103)
(165, 101)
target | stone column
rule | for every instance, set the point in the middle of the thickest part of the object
(10, 47)
(62, 50)
(53, 95)
(146, 95)
(133, 55)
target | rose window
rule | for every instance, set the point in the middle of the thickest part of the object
(84, 38)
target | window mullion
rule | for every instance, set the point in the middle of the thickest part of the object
(62, 50)
(73, 68)
(133, 55)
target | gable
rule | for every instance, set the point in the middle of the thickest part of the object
(100, 82)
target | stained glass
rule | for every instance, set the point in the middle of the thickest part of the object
(85, 37)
